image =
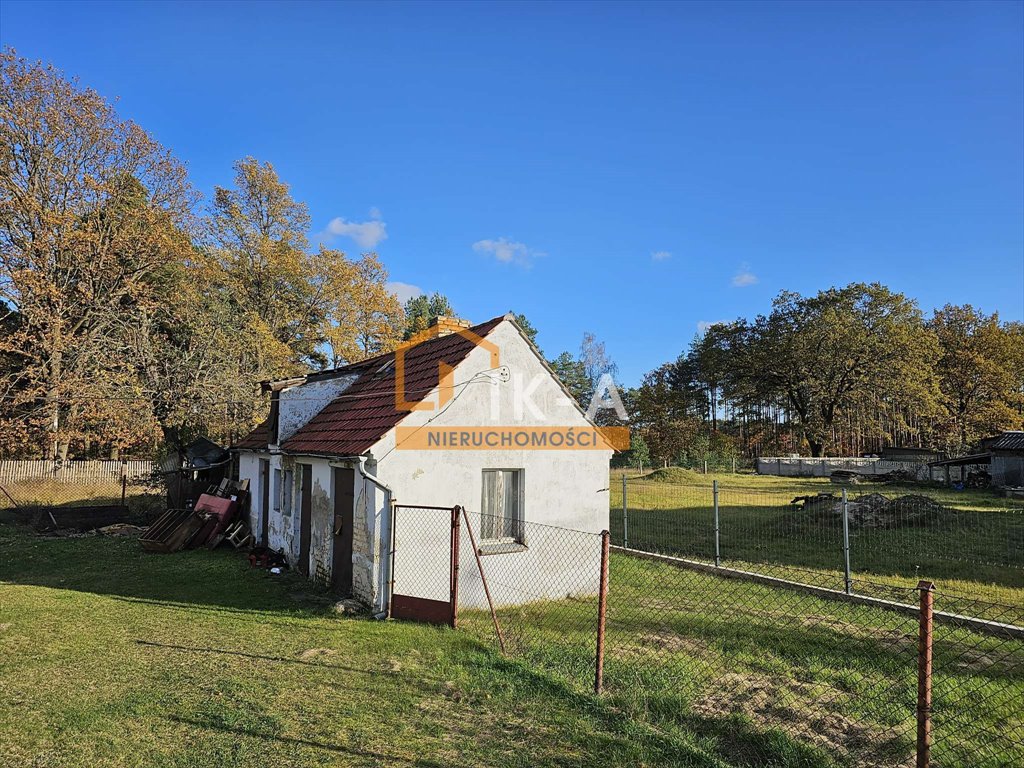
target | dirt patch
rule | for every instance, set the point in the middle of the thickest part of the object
(875, 510)
(5, 627)
(883, 634)
(671, 642)
(312, 654)
(807, 712)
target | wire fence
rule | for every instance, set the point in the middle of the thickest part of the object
(754, 671)
(810, 531)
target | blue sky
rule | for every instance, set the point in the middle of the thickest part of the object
(628, 169)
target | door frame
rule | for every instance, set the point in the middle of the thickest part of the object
(265, 502)
(305, 515)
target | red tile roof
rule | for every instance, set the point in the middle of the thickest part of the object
(364, 412)
(258, 438)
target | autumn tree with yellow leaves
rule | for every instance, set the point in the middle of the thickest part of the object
(132, 316)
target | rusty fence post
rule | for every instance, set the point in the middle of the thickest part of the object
(391, 555)
(124, 488)
(924, 675)
(602, 611)
(483, 579)
(455, 566)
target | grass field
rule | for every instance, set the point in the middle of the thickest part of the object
(974, 547)
(112, 657)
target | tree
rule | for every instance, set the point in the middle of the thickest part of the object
(259, 257)
(363, 317)
(596, 362)
(829, 353)
(91, 207)
(572, 373)
(421, 311)
(527, 328)
(979, 373)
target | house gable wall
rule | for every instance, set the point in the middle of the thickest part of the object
(564, 488)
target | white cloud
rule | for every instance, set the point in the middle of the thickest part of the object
(744, 277)
(404, 291)
(366, 234)
(703, 325)
(507, 251)
(661, 256)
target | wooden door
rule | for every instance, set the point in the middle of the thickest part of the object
(305, 515)
(344, 512)
(265, 502)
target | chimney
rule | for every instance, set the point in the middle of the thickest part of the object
(442, 325)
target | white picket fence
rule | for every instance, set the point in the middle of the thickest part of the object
(823, 467)
(72, 471)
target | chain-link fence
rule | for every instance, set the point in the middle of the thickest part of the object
(813, 532)
(753, 669)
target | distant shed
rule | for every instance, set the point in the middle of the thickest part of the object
(1007, 463)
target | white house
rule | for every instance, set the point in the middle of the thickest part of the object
(469, 416)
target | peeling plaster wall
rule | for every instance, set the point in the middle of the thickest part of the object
(369, 537)
(321, 541)
(301, 403)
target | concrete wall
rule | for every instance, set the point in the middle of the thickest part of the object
(823, 467)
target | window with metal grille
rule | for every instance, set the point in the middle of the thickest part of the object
(502, 506)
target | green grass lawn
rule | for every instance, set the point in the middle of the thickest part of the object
(113, 657)
(767, 676)
(975, 547)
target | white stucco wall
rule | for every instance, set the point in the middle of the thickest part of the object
(564, 488)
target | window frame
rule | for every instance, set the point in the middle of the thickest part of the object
(288, 492)
(504, 544)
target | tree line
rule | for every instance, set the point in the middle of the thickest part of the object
(134, 313)
(847, 371)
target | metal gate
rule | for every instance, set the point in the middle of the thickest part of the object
(424, 583)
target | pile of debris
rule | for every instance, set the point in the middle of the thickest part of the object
(213, 520)
(874, 510)
(849, 477)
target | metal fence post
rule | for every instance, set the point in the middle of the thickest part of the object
(602, 612)
(718, 550)
(625, 515)
(846, 543)
(454, 568)
(924, 675)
